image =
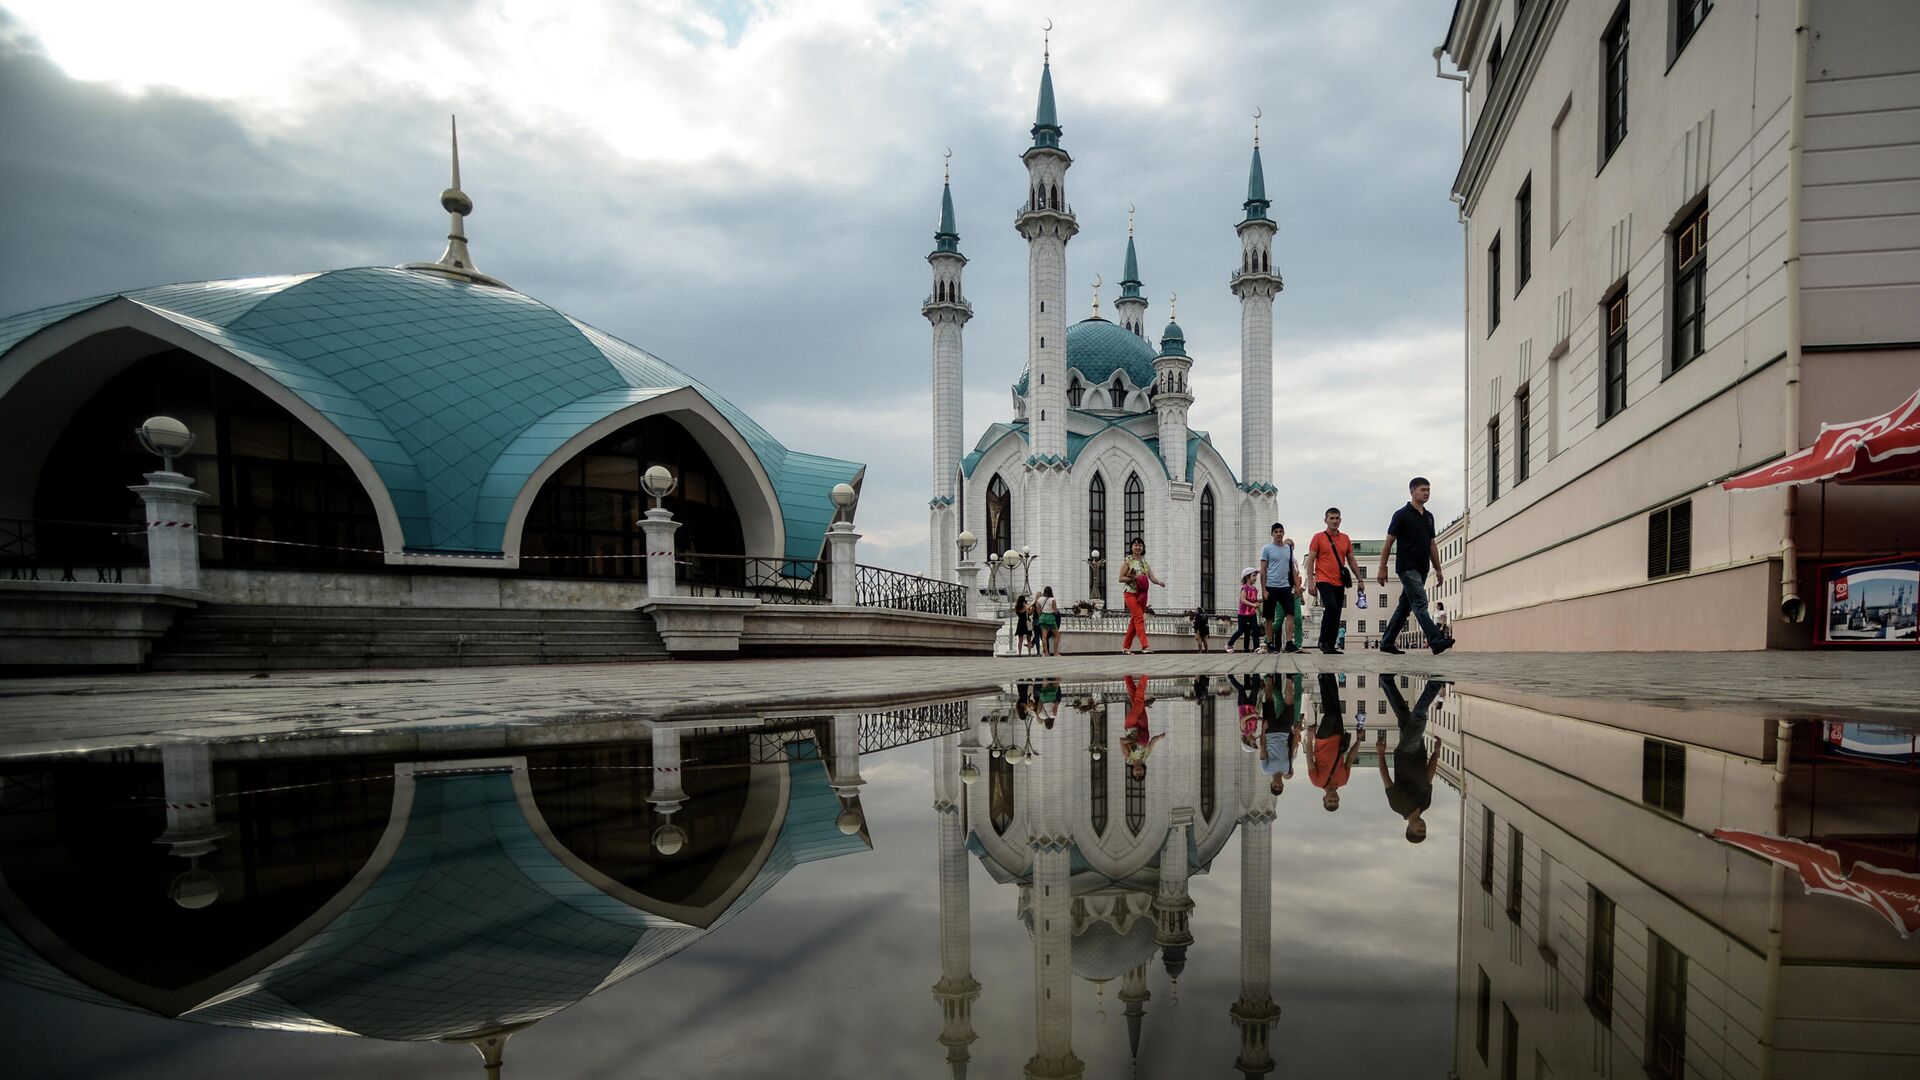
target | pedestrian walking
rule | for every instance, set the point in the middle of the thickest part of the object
(1199, 629)
(1280, 574)
(1135, 574)
(1410, 540)
(1334, 572)
(1022, 624)
(1281, 739)
(1330, 746)
(1136, 740)
(1249, 613)
(1440, 617)
(1047, 622)
(1410, 787)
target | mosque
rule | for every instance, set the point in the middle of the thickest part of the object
(1097, 450)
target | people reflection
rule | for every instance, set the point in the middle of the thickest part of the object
(1280, 737)
(1410, 787)
(1330, 746)
(1137, 742)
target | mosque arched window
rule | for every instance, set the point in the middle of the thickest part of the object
(1117, 393)
(1097, 778)
(1209, 763)
(1000, 793)
(1208, 571)
(1075, 392)
(1134, 511)
(999, 516)
(1136, 802)
(1097, 537)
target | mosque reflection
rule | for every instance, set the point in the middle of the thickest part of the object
(1684, 892)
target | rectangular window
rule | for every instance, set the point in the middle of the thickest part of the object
(1687, 17)
(1556, 191)
(1667, 1024)
(1613, 88)
(1486, 849)
(1663, 776)
(1362, 628)
(1483, 1004)
(1516, 871)
(1690, 288)
(1600, 957)
(1613, 373)
(1522, 434)
(1493, 285)
(1509, 1045)
(1493, 461)
(1523, 236)
(1670, 540)
(1494, 56)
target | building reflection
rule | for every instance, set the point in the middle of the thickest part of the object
(1031, 791)
(1604, 930)
(414, 892)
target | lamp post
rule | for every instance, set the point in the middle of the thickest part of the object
(1026, 574)
(969, 573)
(1096, 567)
(657, 528)
(841, 539)
(172, 504)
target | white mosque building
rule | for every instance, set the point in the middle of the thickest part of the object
(1098, 450)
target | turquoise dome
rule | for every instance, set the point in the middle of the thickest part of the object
(1098, 348)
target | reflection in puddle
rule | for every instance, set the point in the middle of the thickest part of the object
(1138, 875)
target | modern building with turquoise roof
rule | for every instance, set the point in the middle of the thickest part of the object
(425, 415)
(1097, 451)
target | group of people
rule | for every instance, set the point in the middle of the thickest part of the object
(1272, 592)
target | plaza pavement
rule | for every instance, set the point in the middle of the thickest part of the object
(98, 713)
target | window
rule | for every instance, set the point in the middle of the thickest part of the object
(1493, 460)
(1494, 56)
(1600, 957)
(1483, 1004)
(1209, 752)
(1690, 288)
(1136, 802)
(1097, 537)
(1493, 285)
(1509, 1045)
(1523, 236)
(1613, 95)
(1208, 571)
(1362, 628)
(1097, 778)
(1486, 849)
(1522, 433)
(1117, 393)
(1663, 776)
(1667, 1028)
(1134, 521)
(1076, 391)
(999, 516)
(1556, 195)
(1687, 17)
(1516, 871)
(1670, 540)
(1613, 372)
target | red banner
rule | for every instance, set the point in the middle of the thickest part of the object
(1895, 895)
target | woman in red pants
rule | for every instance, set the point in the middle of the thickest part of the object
(1135, 573)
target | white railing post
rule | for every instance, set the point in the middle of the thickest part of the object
(842, 580)
(659, 527)
(173, 529)
(970, 585)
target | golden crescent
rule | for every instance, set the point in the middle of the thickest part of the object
(1048, 27)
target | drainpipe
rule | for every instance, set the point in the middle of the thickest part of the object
(1776, 898)
(1466, 330)
(1792, 608)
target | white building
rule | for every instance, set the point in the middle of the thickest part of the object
(1097, 449)
(1693, 236)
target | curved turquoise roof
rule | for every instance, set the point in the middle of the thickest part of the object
(1098, 348)
(455, 391)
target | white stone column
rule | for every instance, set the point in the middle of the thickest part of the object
(173, 529)
(842, 579)
(970, 585)
(187, 779)
(658, 526)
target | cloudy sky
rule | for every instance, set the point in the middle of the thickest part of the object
(748, 190)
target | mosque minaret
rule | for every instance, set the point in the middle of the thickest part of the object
(1255, 1014)
(1098, 450)
(957, 989)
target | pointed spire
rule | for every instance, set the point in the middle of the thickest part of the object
(948, 238)
(1257, 201)
(1046, 122)
(458, 205)
(1130, 276)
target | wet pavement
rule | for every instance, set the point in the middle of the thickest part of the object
(1061, 870)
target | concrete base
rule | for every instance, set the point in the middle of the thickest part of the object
(55, 625)
(1730, 610)
(694, 626)
(372, 588)
(777, 630)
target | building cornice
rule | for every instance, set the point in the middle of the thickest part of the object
(1503, 99)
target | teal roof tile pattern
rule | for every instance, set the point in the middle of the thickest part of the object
(1097, 348)
(451, 389)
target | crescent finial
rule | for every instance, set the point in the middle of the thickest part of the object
(1048, 26)
(1097, 281)
(949, 153)
(1173, 305)
(1256, 126)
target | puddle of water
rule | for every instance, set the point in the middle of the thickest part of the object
(1368, 875)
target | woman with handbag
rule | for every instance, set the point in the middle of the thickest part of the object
(1047, 622)
(1135, 573)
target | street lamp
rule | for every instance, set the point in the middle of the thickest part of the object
(843, 497)
(1026, 576)
(1096, 565)
(165, 438)
(965, 542)
(659, 482)
(1010, 560)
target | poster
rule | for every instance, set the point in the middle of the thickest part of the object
(1870, 604)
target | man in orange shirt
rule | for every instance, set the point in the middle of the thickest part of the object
(1331, 748)
(1334, 570)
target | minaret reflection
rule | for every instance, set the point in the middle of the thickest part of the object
(1049, 901)
(1255, 1014)
(957, 989)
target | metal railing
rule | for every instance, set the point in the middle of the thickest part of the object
(877, 587)
(89, 552)
(766, 579)
(878, 731)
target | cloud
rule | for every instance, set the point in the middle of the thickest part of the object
(748, 189)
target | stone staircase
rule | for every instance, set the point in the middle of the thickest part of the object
(259, 637)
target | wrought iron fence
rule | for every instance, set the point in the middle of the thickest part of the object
(877, 587)
(878, 731)
(766, 579)
(92, 552)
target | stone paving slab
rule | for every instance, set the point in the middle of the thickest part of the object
(49, 715)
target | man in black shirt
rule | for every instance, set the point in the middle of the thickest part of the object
(1412, 533)
(1410, 787)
